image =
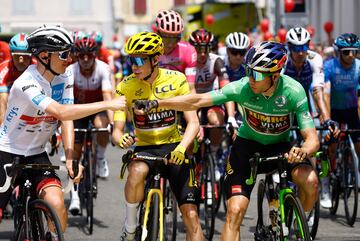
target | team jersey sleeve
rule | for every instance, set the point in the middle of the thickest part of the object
(119, 115)
(190, 69)
(303, 115)
(318, 79)
(106, 78)
(35, 95)
(68, 96)
(229, 92)
(327, 71)
(220, 70)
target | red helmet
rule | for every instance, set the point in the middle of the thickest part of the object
(85, 45)
(169, 22)
(201, 37)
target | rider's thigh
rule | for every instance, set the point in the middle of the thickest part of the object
(54, 196)
(305, 175)
(101, 120)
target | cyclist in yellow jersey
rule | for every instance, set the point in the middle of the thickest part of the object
(156, 132)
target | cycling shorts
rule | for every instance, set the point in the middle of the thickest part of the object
(206, 110)
(83, 124)
(40, 179)
(238, 167)
(349, 117)
(178, 175)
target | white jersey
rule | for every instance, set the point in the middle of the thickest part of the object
(89, 90)
(206, 80)
(27, 127)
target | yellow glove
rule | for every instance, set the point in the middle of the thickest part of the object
(178, 155)
(126, 141)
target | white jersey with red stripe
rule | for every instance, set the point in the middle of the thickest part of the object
(27, 127)
(209, 76)
(89, 89)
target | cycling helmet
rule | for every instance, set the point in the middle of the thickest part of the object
(237, 40)
(97, 36)
(85, 45)
(18, 43)
(297, 36)
(201, 37)
(77, 35)
(347, 41)
(266, 57)
(147, 43)
(49, 38)
(169, 22)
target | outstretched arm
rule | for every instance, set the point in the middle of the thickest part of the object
(187, 102)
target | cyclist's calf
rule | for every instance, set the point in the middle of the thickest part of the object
(191, 220)
(134, 187)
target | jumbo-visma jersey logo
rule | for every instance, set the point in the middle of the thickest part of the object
(267, 123)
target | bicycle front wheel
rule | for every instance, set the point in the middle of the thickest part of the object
(89, 187)
(43, 223)
(296, 227)
(350, 187)
(315, 215)
(170, 214)
(153, 220)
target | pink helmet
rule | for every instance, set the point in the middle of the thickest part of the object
(170, 22)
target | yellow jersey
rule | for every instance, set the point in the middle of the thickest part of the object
(159, 126)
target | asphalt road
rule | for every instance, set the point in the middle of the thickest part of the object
(110, 212)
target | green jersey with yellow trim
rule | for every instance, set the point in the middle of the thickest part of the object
(267, 119)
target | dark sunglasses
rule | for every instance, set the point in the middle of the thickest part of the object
(299, 48)
(64, 55)
(257, 76)
(90, 55)
(170, 38)
(235, 52)
(202, 48)
(346, 52)
(138, 61)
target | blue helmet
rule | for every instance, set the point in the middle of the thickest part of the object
(347, 41)
(18, 43)
(97, 36)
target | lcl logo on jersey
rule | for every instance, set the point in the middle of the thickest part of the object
(165, 88)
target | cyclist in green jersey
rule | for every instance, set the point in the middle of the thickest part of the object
(270, 101)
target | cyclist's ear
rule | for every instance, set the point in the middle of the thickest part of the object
(155, 59)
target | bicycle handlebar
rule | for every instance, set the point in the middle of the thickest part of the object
(12, 168)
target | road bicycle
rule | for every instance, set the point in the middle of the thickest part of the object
(344, 177)
(280, 213)
(34, 218)
(88, 185)
(158, 212)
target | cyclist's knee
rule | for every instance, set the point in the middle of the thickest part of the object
(235, 212)
(138, 171)
(191, 217)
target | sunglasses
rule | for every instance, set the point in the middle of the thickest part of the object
(346, 52)
(257, 76)
(138, 61)
(64, 55)
(202, 48)
(90, 55)
(235, 52)
(167, 38)
(299, 48)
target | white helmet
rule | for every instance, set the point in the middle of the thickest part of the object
(49, 38)
(237, 40)
(297, 36)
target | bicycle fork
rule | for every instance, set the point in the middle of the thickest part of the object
(153, 191)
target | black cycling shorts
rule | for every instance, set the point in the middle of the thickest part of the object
(39, 178)
(349, 117)
(178, 175)
(83, 124)
(238, 167)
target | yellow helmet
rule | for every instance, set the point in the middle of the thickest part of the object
(147, 43)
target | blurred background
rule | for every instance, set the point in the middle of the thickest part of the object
(118, 19)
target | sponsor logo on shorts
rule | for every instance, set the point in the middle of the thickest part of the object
(236, 189)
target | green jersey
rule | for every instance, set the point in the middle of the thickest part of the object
(267, 119)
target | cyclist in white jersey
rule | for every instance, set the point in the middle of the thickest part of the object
(92, 82)
(40, 97)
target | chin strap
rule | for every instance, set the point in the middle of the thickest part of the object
(271, 85)
(152, 70)
(47, 65)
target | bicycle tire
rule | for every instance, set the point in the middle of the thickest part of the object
(40, 213)
(153, 220)
(263, 225)
(208, 180)
(335, 193)
(89, 191)
(316, 212)
(223, 196)
(350, 187)
(294, 213)
(170, 213)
